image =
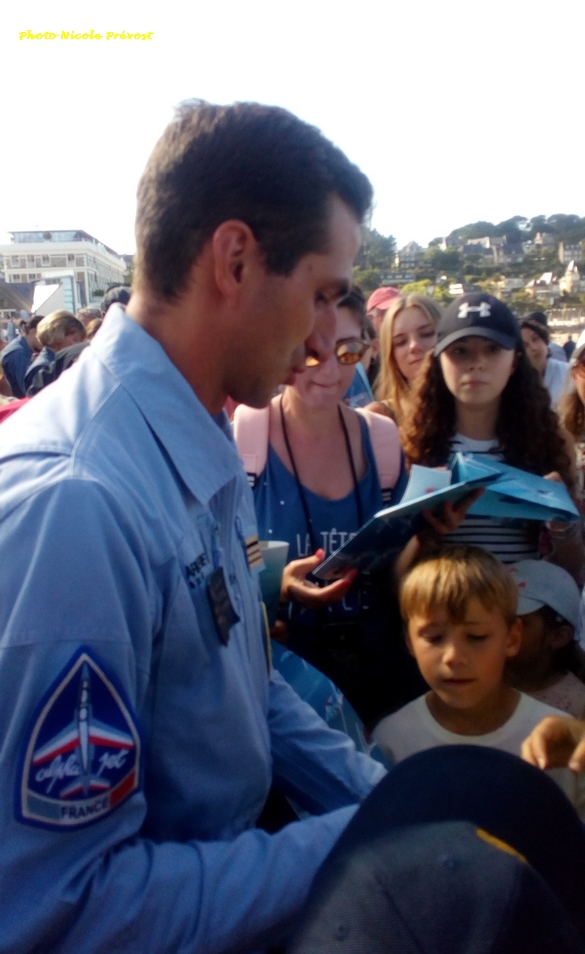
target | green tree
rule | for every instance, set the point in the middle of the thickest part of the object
(377, 251)
(514, 229)
(473, 230)
(489, 286)
(416, 288)
(368, 279)
(441, 294)
(448, 261)
(539, 260)
(538, 223)
(521, 302)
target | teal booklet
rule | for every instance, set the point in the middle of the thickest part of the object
(509, 493)
(384, 536)
(523, 496)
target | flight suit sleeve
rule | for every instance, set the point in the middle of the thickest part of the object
(75, 579)
(312, 762)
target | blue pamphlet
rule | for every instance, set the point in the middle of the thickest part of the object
(523, 496)
(385, 535)
(510, 493)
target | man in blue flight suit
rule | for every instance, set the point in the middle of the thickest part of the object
(141, 725)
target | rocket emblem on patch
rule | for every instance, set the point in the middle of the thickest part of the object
(82, 756)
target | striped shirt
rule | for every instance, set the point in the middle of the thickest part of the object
(508, 540)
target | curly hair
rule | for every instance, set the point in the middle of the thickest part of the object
(527, 429)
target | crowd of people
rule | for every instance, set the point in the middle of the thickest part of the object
(165, 783)
(34, 353)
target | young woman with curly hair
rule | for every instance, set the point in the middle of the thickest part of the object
(408, 332)
(479, 393)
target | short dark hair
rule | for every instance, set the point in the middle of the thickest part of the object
(538, 316)
(259, 164)
(31, 324)
(355, 302)
(115, 293)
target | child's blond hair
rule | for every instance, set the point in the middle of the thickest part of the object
(449, 580)
(58, 325)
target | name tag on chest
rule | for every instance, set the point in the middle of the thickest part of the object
(223, 612)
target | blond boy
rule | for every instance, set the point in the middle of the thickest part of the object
(459, 610)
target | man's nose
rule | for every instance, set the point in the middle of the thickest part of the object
(321, 341)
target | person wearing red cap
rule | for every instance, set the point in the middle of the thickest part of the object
(379, 303)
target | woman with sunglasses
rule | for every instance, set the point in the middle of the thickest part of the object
(319, 486)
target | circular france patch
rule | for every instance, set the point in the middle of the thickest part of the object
(82, 756)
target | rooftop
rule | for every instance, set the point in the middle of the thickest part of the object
(61, 236)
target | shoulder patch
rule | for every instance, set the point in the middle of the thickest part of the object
(81, 757)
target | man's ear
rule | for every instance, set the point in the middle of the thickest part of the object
(235, 253)
(562, 636)
(514, 638)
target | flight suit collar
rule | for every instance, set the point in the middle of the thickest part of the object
(200, 446)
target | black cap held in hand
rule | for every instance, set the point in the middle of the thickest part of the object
(461, 849)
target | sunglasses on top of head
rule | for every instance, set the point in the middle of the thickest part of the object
(347, 351)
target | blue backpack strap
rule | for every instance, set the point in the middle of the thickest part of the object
(251, 425)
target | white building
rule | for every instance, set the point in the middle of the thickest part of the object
(571, 283)
(84, 266)
(409, 256)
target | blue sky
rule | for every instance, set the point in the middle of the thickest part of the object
(456, 111)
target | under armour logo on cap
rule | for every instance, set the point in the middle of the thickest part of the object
(478, 315)
(484, 309)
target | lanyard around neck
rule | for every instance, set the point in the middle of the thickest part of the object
(301, 489)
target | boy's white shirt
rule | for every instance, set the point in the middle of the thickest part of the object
(413, 729)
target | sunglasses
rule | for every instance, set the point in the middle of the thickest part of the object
(348, 351)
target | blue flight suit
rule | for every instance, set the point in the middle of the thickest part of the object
(140, 729)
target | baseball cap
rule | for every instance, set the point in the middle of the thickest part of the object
(579, 349)
(410, 873)
(541, 583)
(382, 297)
(478, 315)
(442, 888)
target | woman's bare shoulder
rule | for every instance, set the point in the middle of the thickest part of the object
(382, 408)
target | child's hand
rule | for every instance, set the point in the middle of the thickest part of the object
(296, 587)
(556, 742)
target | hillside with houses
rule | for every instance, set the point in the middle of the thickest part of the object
(536, 263)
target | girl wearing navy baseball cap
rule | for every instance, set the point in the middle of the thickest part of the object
(478, 393)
